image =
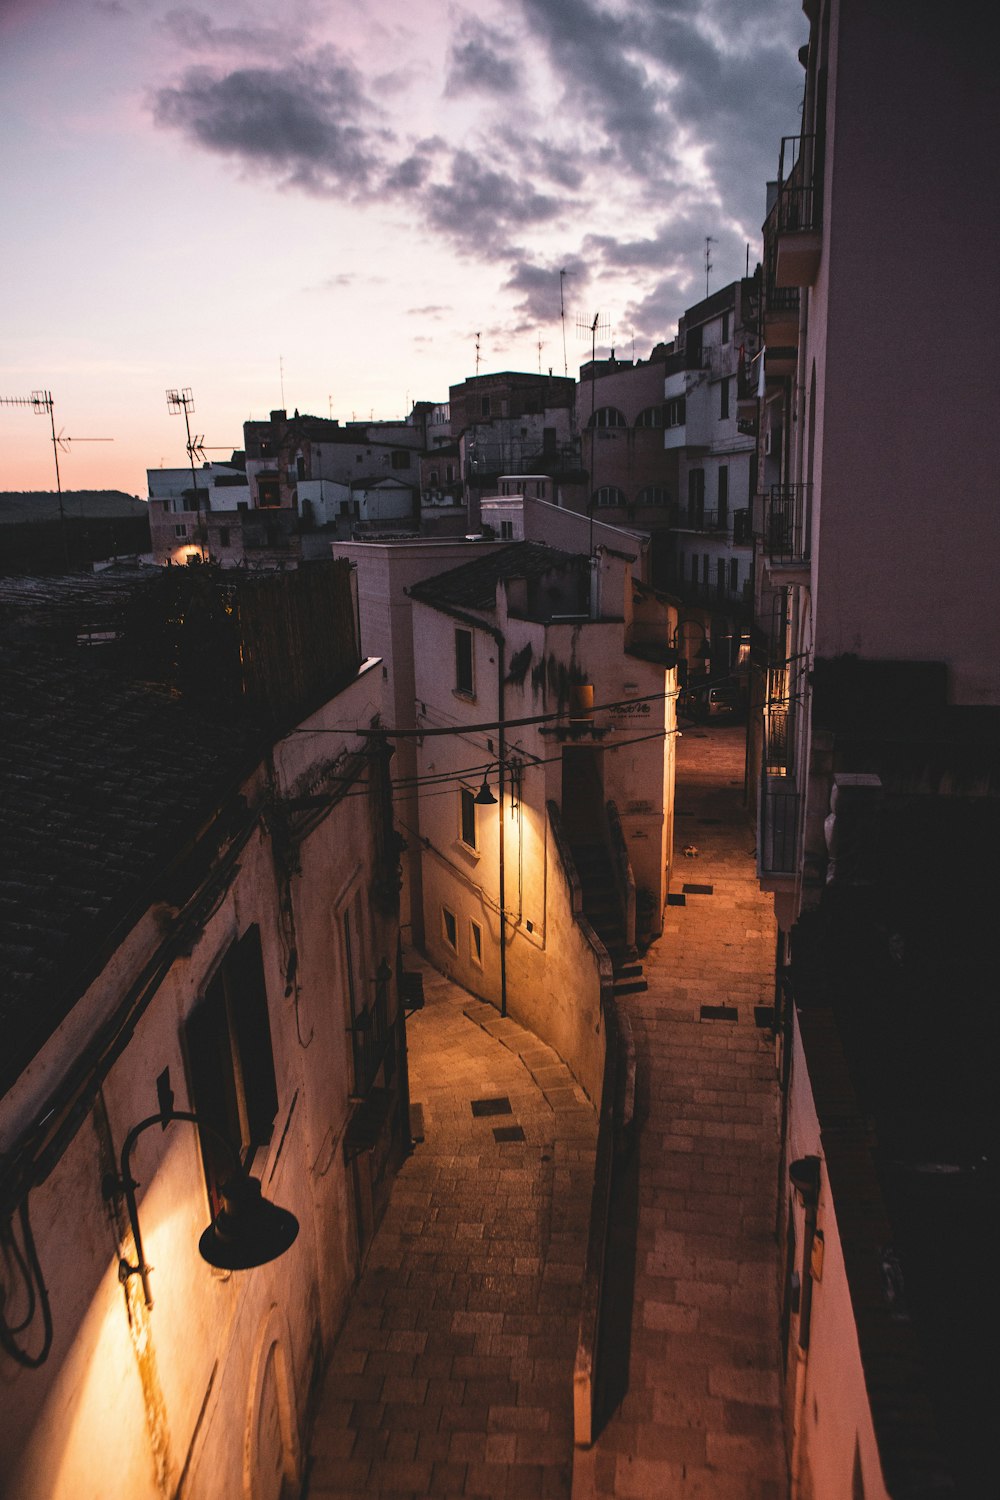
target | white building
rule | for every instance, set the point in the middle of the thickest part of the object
(549, 678)
(208, 925)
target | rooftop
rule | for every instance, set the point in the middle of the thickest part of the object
(106, 776)
(473, 584)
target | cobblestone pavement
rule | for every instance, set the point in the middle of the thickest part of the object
(453, 1375)
(701, 1415)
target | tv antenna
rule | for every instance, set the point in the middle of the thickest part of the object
(598, 327)
(42, 405)
(562, 317)
(710, 240)
(477, 356)
(183, 401)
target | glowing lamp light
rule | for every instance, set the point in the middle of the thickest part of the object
(247, 1231)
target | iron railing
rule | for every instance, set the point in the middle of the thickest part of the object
(778, 816)
(787, 522)
(799, 198)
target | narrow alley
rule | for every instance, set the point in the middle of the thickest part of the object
(453, 1375)
(701, 1414)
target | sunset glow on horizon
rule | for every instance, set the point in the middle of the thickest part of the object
(320, 206)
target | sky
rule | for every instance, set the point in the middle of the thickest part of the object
(321, 204)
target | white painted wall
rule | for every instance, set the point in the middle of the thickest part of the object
(212, 1381)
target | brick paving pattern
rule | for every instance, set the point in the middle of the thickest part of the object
(701, 1416)
(453, 1374)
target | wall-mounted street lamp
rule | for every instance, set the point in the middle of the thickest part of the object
(247, 1231)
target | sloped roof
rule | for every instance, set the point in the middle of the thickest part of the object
(473, 585)
(103, 780)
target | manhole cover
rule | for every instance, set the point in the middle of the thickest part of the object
(499, 1106)
(719, 1013)
(508, 1133)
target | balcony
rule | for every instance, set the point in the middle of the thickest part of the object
(697, 518)
(787, 523)
(781, 315)
(797, 212)
(778, 815)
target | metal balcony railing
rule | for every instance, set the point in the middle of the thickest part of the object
(799, 182)
(787, 522)
(778, 815)
(697, 518)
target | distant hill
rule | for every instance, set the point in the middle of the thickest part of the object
(43, 505)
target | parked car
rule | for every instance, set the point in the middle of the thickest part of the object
(720, 701)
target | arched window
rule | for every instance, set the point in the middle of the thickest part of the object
(608, 495)
(651, 417)
(607, 416)
(653, 494)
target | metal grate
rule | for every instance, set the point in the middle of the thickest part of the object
(499, 1106)
(719, 1013)
(676, 899)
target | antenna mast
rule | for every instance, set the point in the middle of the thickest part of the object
(603, 326)
(183, 401)
(562, 317)
(710, 240)
(477, 356)
(42, 404)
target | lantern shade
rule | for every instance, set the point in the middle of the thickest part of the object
(484, 797)
(248, 1230)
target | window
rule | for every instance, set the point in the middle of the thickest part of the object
(476, 943)
(268, 493)
(734, 575)
(607, 416)
(723, 400)
(609, 495)
(433, 479)
(449, 926)
(676, 412)
(651, 417)
(704, 568)
(696, 497)
(725, 327)
(450, 474)
(720, 575)
(231, 1065)
(467, 817)
(506, 531)
(401, 458)
(223, 536)
(300, 466)
(180, 531)
(463, 662)
(653, 494)
(243, 505)
(723, 493)
(484, 406)
(694, 567)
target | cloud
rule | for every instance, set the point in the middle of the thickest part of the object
(481, 59)
(538, 286)
(433, 310)
(478, 205)
(197, 32)
(305, 121)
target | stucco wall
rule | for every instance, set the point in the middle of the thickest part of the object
(212, 1381)
(826, 1401)
(910, 544)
